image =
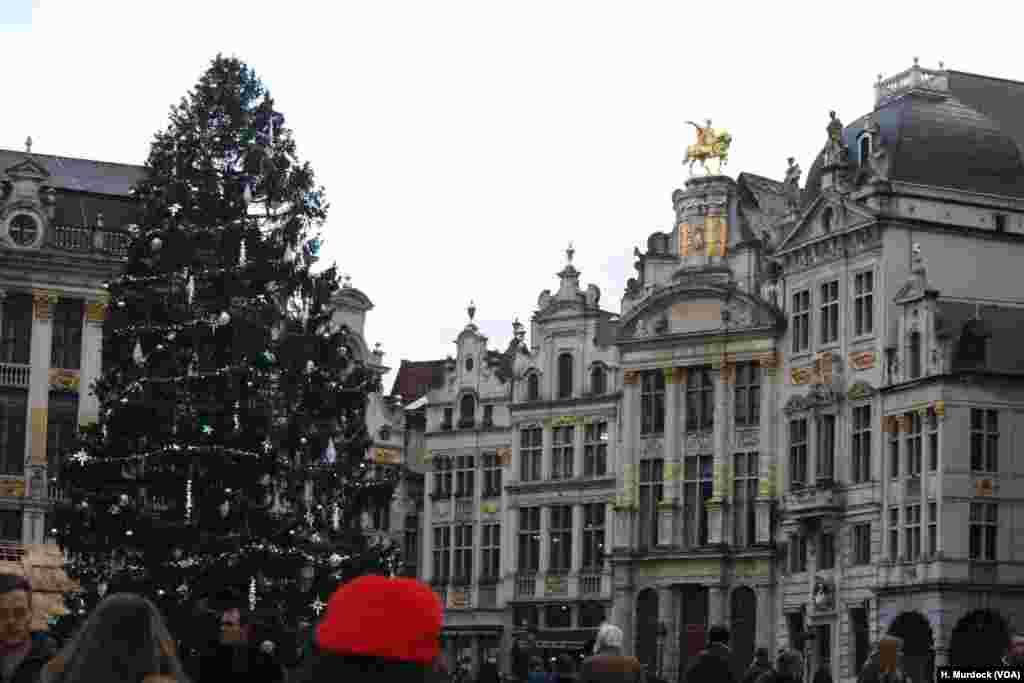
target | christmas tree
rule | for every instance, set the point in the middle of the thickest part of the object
(230, 450)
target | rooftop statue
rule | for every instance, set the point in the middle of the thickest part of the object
(711, 145)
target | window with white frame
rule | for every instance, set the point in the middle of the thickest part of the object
(798, 453)
(529, 540)
(533, 387)
(66, 350)
(560, 539)
(492, 475)
(798, 554)
(465, 476)
(593, 537)
(862, 543)
(894, 534)
(830, 312)
(745, 480)
(914, 351)
(826, 456)
(595, 449)
(652, 402)
(700, 400)
(598, 380)
(863, 303)
(826, 551)
(463, 554)
(651, 492)
(562, 452)
(894, 448)
(984, 440)
(933, 528)
(16, 329)
(490, 552)
(800, 318)
(912, 445)
(860, 462)
(748, 394)
(933, 441)
(565, 375)
(442, 554)
(442, 476)
(531, 445)
(984, 526)
(912, 533)
(697, 490)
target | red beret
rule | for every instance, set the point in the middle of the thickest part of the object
(374, 616)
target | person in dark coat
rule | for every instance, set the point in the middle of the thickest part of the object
(789, 669)
(713, 665)
(488, 671)
(23, 653)
(377, 629)
(242, 653)
(761, 665)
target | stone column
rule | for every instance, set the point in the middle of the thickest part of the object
(716, 605)
(428, 527)
(720, 439)
(545, 454)
(622, 611)
(38, 408)
(765, 616)
(769, 449)
(545, 546)
(671, 475)
(92, 358)
(516, 465)
(668, 646)
(576, 559)
(578, 432)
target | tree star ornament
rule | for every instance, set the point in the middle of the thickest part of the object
(206, 429)
(318, 606)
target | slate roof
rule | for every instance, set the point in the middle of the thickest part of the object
(415, 378)
(80, 175)
(1005, 353)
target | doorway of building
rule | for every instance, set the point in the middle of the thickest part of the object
(647, 628)
(918, 650)
(743, 610)
(693, 622)
(979, 639)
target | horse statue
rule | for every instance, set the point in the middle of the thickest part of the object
(711, 144)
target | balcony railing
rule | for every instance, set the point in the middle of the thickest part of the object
(15, 375)
(108, 241)
(466, 423)
(815, 501)
(526, 585)
(55, 492)
(590, 584)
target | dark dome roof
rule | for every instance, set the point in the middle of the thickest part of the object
(941, 142)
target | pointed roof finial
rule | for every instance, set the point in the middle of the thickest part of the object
(347, 284)
(916, 62)
(942, 65)
(28, 145)
(471, 310)
(569, 252)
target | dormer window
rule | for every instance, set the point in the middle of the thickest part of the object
(914, 361)
(864, 147)
(565, 375)
(597, 381)
(533, 387)
(467, 411)
(469, 364)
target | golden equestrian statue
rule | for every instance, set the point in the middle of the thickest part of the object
(711, 144)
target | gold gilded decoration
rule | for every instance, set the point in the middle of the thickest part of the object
(95, 311)
(64, 380)
(629, 485)
(801, 375)
(12, 488)
(716, 235)
(823, 368)
(504, 456)
(940, 408)
(680, 375)
(670, 472)
(767, 487)
(489, 508)
(712, 145)
(630, 376)
(749, 568)
(686, 240)
(424, 456)
(719, 480)
(682, 568)
(458, 599)
(889, 424)
(39, 422)
(862, 360)
(43, 303)
(670, 375)
(904, 422)
(554, 585)
(386, 456)
(860, 391)
(984, 488)
(768, 360)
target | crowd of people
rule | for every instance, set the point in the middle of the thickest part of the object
(374, 628)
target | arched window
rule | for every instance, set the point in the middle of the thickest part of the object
(533, 387)
(914, 363)
(597, 381)
(865, 149)
(565, 375)
(467, 411)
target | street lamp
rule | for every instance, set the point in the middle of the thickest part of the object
(662, 634)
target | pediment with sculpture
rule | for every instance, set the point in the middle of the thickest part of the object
(827, 215)
(682, 310)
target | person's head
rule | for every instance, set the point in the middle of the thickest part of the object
(15, 608)
(378, 628)
(536, 664)
(762, 657)
(609, 637)
(234, 626)
(124, 640)
(718, 635)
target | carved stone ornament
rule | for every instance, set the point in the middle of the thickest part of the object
(820, 396)
(630, 376)
(862, 360)
(747, 438)
(43, 303)
(860, 391)
(95, 311)
(824, 595)
(641, 330)
(698, 443)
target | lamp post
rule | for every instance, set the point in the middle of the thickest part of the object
(662, 634)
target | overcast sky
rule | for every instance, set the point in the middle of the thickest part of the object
(464, 144)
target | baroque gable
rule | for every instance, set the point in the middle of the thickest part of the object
(828, 214)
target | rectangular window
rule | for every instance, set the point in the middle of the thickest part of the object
(442, 477)
(593, 537)
(863, 303)
(912, 448)
(700, 400)
(488, 416)
(798, 555)
(442, 554)
(529, 540)
(16, 329)
(490, 552)
(446, 423)
(595, 449)
(894, 534)
(381, 516)
(558, 616)
(826, 457)
(465, 476)
(560, 539)
(984, 440)
(801, 319)
(492, 475)
(933, 441)
(411, 547)
(530, 451)
(862, 543)
(894, 450)
(562, 452)
(861, 638)
(11, 525)
(61, 430)
(914, 352)
(984, 526)
(463, 554)
(933, 529)
(652, 402)
(830, 312)
(827, 552)
(748, 394)
(651, 492)
(13, 407)
(861, 445)
(66, 351)
(912, 533)
(798, 453)
(697, 489)
(745, 496)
